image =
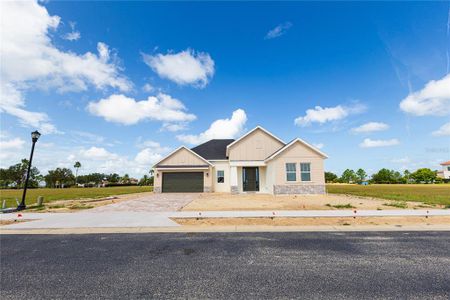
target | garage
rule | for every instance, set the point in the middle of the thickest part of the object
(182, 182)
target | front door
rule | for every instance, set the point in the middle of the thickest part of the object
(250, 176)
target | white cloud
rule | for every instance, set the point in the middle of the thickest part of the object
(15, 143)
(278, 31)
(147, 157)
(219, 129)
(30, 60)
(432, 100)
(402, 160)
(97, 153)
(124, 110)
(371, 127)
(185, 67)
(73, 35)
(319, 145)
(327, 114)
(369, 143)
(444, 130)
(148, 88)
(173, 127)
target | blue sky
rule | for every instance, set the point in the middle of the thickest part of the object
(117, 85)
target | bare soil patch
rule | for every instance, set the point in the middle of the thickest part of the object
(330, 221)
(9, 222)
(222, 201)
(82, 204)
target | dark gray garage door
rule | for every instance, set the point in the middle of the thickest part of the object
(188, 182)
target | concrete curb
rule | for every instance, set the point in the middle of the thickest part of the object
(218, 229)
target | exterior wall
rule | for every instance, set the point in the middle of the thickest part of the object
(446, 172)
(225, 186)
(256, 146)
(183, 157)
(298, 153)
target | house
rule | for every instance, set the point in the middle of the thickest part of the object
(445, 173)
(256, 162)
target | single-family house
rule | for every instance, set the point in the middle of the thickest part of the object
(445, 173)
(258, 161)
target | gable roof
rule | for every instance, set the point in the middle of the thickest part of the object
(445, 163)
(248, 133)
(292, 143)
(213, 149)
(178, 149)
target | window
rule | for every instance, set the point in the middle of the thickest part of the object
(448, 168)
(220, 176)
(305, 171)
(290, 172)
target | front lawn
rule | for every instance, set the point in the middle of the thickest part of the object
(68, 194)
(427, 193)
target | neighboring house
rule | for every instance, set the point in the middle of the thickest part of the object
(445, 173)
(256, 162)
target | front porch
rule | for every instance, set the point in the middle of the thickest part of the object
(248, 177)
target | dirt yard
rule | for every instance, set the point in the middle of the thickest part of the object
(330, 221)
(82, 204)
(218, 201)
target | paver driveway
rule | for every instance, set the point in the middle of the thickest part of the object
(150, 202)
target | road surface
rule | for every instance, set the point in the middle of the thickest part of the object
(357, 265)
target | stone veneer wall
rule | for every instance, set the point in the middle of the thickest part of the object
(206, 189)
(156, 189)
(299, 189)
(234, 189)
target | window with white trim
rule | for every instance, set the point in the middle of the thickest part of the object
(291, 172)
(305, 171)
(220, 176)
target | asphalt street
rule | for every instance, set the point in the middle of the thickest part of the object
(356, 265)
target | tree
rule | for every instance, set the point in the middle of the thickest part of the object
(77, 165)
(348, 176)
(330, 177)
(59, 177)
(361, 175)
(424, 175)
(406, 176)
(125, 179)
(383, 176)
(16, 174)
(146, 180)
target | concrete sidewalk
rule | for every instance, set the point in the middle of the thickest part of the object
(162, 219)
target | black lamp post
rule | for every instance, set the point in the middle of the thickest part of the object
(34, 137)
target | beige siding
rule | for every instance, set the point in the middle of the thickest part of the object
(183, 157)
(297, 153)
(225, 186)
(256, 146)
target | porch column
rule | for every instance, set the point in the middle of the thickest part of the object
(234, 180)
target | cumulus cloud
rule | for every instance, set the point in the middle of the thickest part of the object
(148, 88)
(73, 35)
(9, 147)
(319, 145)
(173, 127)
(327, 114)
(30, 60)
(370, 127)
(432, 100)
(97, 153)
(185, 68)
(444, 130)
(220, 129)
(369, 143)
(278, 31)
(124, 110)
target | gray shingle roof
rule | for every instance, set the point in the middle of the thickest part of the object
(213, 149)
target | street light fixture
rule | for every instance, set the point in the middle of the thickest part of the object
(34, 137)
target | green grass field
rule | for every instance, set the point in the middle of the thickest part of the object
(68, 194)
(427, 193)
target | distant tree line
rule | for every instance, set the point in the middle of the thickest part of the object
(14, 177)
(385, 176)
